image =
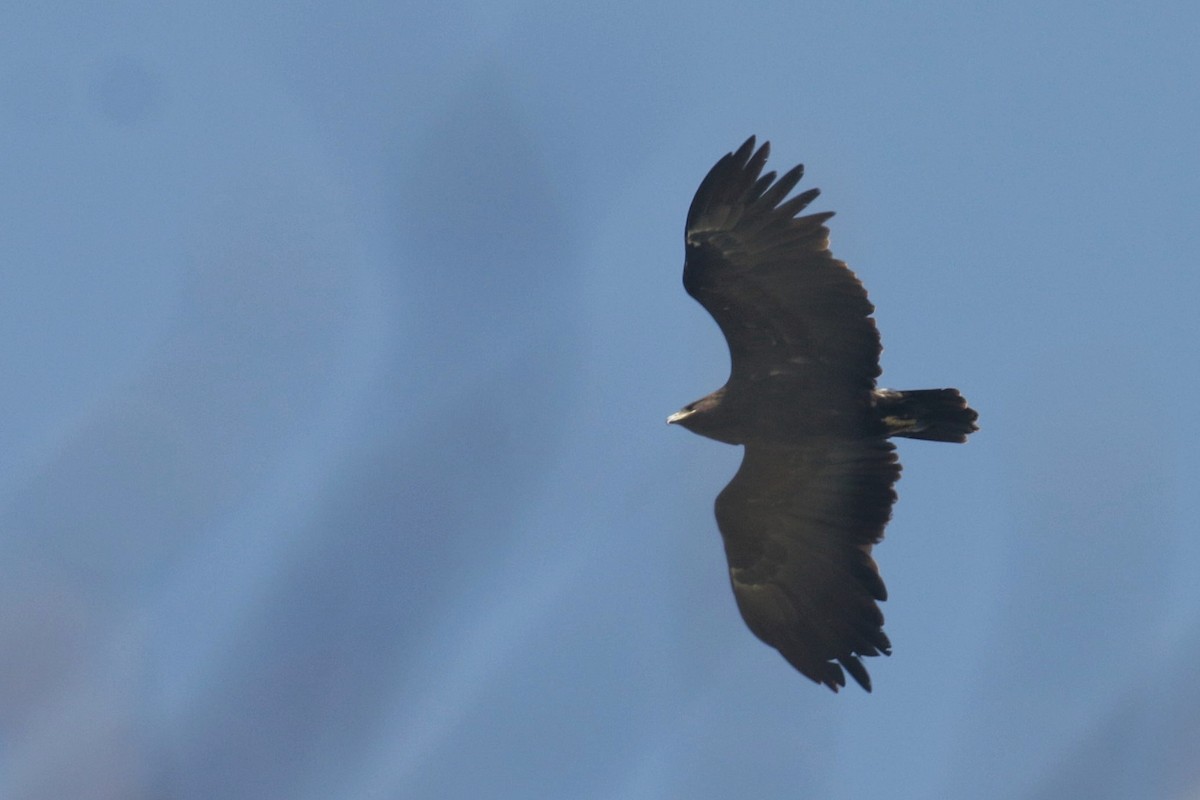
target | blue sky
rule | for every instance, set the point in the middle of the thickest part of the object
(337, 341)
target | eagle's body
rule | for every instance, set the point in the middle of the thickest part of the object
(814, 491)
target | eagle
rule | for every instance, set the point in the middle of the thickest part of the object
(816, 484)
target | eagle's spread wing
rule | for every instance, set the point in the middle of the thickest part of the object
(785, 305)
(802, 513)
(798, 523)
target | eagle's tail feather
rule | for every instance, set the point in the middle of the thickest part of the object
(940, 415)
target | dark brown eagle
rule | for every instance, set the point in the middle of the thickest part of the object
(814, 491)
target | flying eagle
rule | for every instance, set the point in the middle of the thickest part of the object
(815, 488)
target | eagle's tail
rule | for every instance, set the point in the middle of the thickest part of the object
(940, 415)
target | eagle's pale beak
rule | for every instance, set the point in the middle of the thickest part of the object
(678, 415)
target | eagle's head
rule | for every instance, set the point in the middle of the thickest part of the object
(705, 417)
